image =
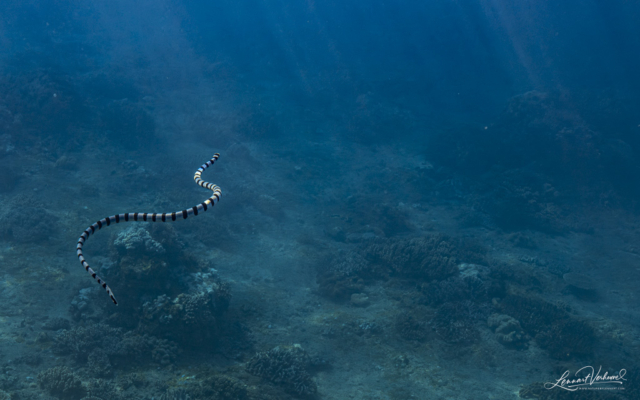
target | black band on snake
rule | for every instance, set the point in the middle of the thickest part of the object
(154, 217)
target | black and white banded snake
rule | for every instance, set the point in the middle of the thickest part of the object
(154, 217)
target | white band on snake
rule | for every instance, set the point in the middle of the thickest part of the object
(154, 217)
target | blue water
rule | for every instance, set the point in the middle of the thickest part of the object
(420, 199)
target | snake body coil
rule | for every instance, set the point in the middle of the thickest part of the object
(154, 217)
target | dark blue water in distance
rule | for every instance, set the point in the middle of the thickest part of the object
(417, 199)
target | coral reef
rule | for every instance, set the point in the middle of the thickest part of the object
(454, 322)
(61, 382)
(390, 220)
(287, 366)
(359, 219)
(6, 141)
(150, 262)
(234, 338)
(134, 379)
(412, 326)
(348, 263)
(266, 205)
(37, 101)
(175, 394)
(82, 305)
(338, 287)
(98, 363)
(567, 339)
(100, 341)
(556, 331)
(359, 300)
(9, 178)
(46, 109)
(507, 330)
(32, 360)
(136, 241)
(225, 388)
(56, 323)
(198, 312)
(425, 258)
(533, 123)
(79, 342)
(209, 283)
(344, 276)
(433, 257)
(139, 348)
(533, 204)
(523, 190)
(504, 274)
(558, 269)
(520, 239)
(429, 258)
(219, 387)
(455, 289)
(580, 285)
(140, 255)
(103, 389)
(362, 328)
(129, 124)
(163, 351)
(29, 225)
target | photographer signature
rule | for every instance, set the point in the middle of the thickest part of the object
(585, 377)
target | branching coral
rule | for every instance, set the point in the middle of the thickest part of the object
(412, 327)
(433, 257)
(454, 323)
(199, 312)
(99, 341)
(61, 382)
(554, 329)
(219, 387)
(286, 366)
(29, 225)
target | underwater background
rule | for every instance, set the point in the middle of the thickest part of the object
(420, 199)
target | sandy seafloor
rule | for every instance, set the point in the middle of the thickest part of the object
(286, 210)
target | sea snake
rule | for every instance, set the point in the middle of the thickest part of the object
(155, 217)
